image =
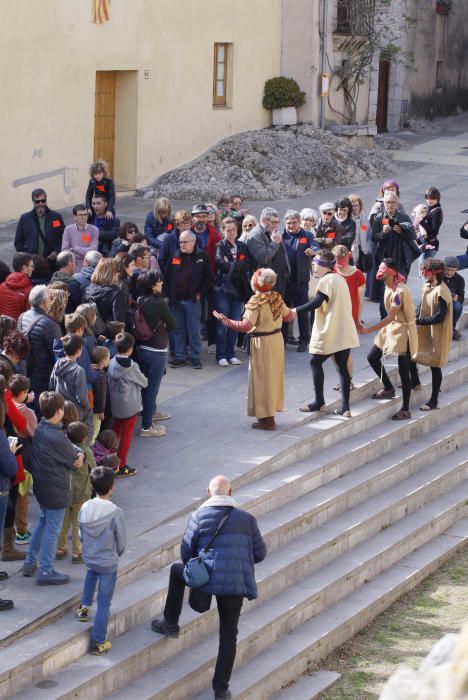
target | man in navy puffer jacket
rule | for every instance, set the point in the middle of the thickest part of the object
(230, 560)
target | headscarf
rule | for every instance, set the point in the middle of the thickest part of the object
(256, 285)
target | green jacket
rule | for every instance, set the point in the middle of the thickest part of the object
(81, 486)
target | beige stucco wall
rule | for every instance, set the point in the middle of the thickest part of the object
(50, 52)
(301, 59)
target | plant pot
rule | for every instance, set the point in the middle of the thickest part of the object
(284, 116)
(442, 9)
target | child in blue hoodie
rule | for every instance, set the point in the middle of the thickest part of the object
(103, 537)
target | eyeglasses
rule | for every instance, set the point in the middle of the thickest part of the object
(132, 230)
(40, 201)
(328, 213)
(83, 214)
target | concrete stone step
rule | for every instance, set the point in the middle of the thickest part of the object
(136, 652)
(260, 673)
(157, 547)
(141, 600)
(308, 687)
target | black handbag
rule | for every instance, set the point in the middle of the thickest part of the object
(364, 261)
(195, 571)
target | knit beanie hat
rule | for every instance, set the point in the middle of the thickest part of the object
(452, 261)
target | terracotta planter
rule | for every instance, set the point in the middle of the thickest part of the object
(442, 9)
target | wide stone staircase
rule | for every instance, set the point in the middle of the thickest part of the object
(355, 512)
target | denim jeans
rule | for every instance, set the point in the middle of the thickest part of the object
(152, 364)
(425, 255)
(463, 260)
(457, 311)
(226, 338)
(229, 609)
(44, 538)
(3, 509)
(188, 316)
(104, 598)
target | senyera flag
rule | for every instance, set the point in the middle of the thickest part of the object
(101, 11)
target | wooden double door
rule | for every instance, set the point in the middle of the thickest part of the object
(104, 118)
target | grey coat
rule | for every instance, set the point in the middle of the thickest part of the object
(52, 459)
(267, 253)
(125, 385)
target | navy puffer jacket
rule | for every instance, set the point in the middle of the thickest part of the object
(41, 336)
(8, 464)
(235, 550)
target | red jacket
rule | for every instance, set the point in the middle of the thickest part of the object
(14, 294)
(18, 421)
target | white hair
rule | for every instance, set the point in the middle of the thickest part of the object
(266, 276)
(92, 258)
(268, 212)
(292, 214)
(37, 295)
(327, 206)
(310, 214)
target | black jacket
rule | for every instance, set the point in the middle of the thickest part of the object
(267, 253)
(104, 186)
(41, 336)
(402, 247)
(431, 224)
(330, 234)
(108, 231)
(169, 246)
(238, 269)
(159, 318)
(200, 278)
(349, 232)
(456, 284)
(109, 299)
(28, 232)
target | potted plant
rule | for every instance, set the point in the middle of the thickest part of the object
(283, 95)
(443, 7)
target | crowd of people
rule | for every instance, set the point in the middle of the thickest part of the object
(91, 313)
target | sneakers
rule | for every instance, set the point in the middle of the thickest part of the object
(23, 539)
(211, 349)
(51, 578)
(82, 614)
(159, 415)
(161, 627)
(234, 361)
(223, 363)
(124, 471)
(29, 569)
(177, 363)
(100, 649)
(6, 604)
(196, 364)
(154, 430)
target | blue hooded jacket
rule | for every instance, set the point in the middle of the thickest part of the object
(236, 549)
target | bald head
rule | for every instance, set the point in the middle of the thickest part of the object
(220, 486)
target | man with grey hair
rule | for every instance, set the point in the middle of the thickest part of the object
(230, 560)
(41, 331)
(265, 245)
(300, 247)
(66, 267)
(329, 231)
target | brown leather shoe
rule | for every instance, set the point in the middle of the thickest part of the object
(265, 424)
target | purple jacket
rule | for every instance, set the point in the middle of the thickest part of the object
(80, 242)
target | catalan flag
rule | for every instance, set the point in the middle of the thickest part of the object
(101, 11)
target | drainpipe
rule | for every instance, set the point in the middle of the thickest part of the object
(324, 29)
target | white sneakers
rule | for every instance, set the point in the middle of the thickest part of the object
(226, 363)
(154, 431)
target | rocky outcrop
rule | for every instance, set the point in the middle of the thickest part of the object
(273, 163)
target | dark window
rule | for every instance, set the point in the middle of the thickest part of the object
(343, 25)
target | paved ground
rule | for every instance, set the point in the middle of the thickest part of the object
(209, 431)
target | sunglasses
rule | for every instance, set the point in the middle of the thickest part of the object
(248, 226)
(40, 201)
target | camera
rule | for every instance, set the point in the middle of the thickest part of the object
(392, 222)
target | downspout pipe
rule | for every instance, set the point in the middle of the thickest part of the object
(323, 62)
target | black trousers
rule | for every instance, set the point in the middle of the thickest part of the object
(436, 381)
(229, 609)
(374, 358)
(316, 365)
(11, 507)
(296, 295)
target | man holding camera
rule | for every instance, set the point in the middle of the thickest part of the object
(395, 236)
